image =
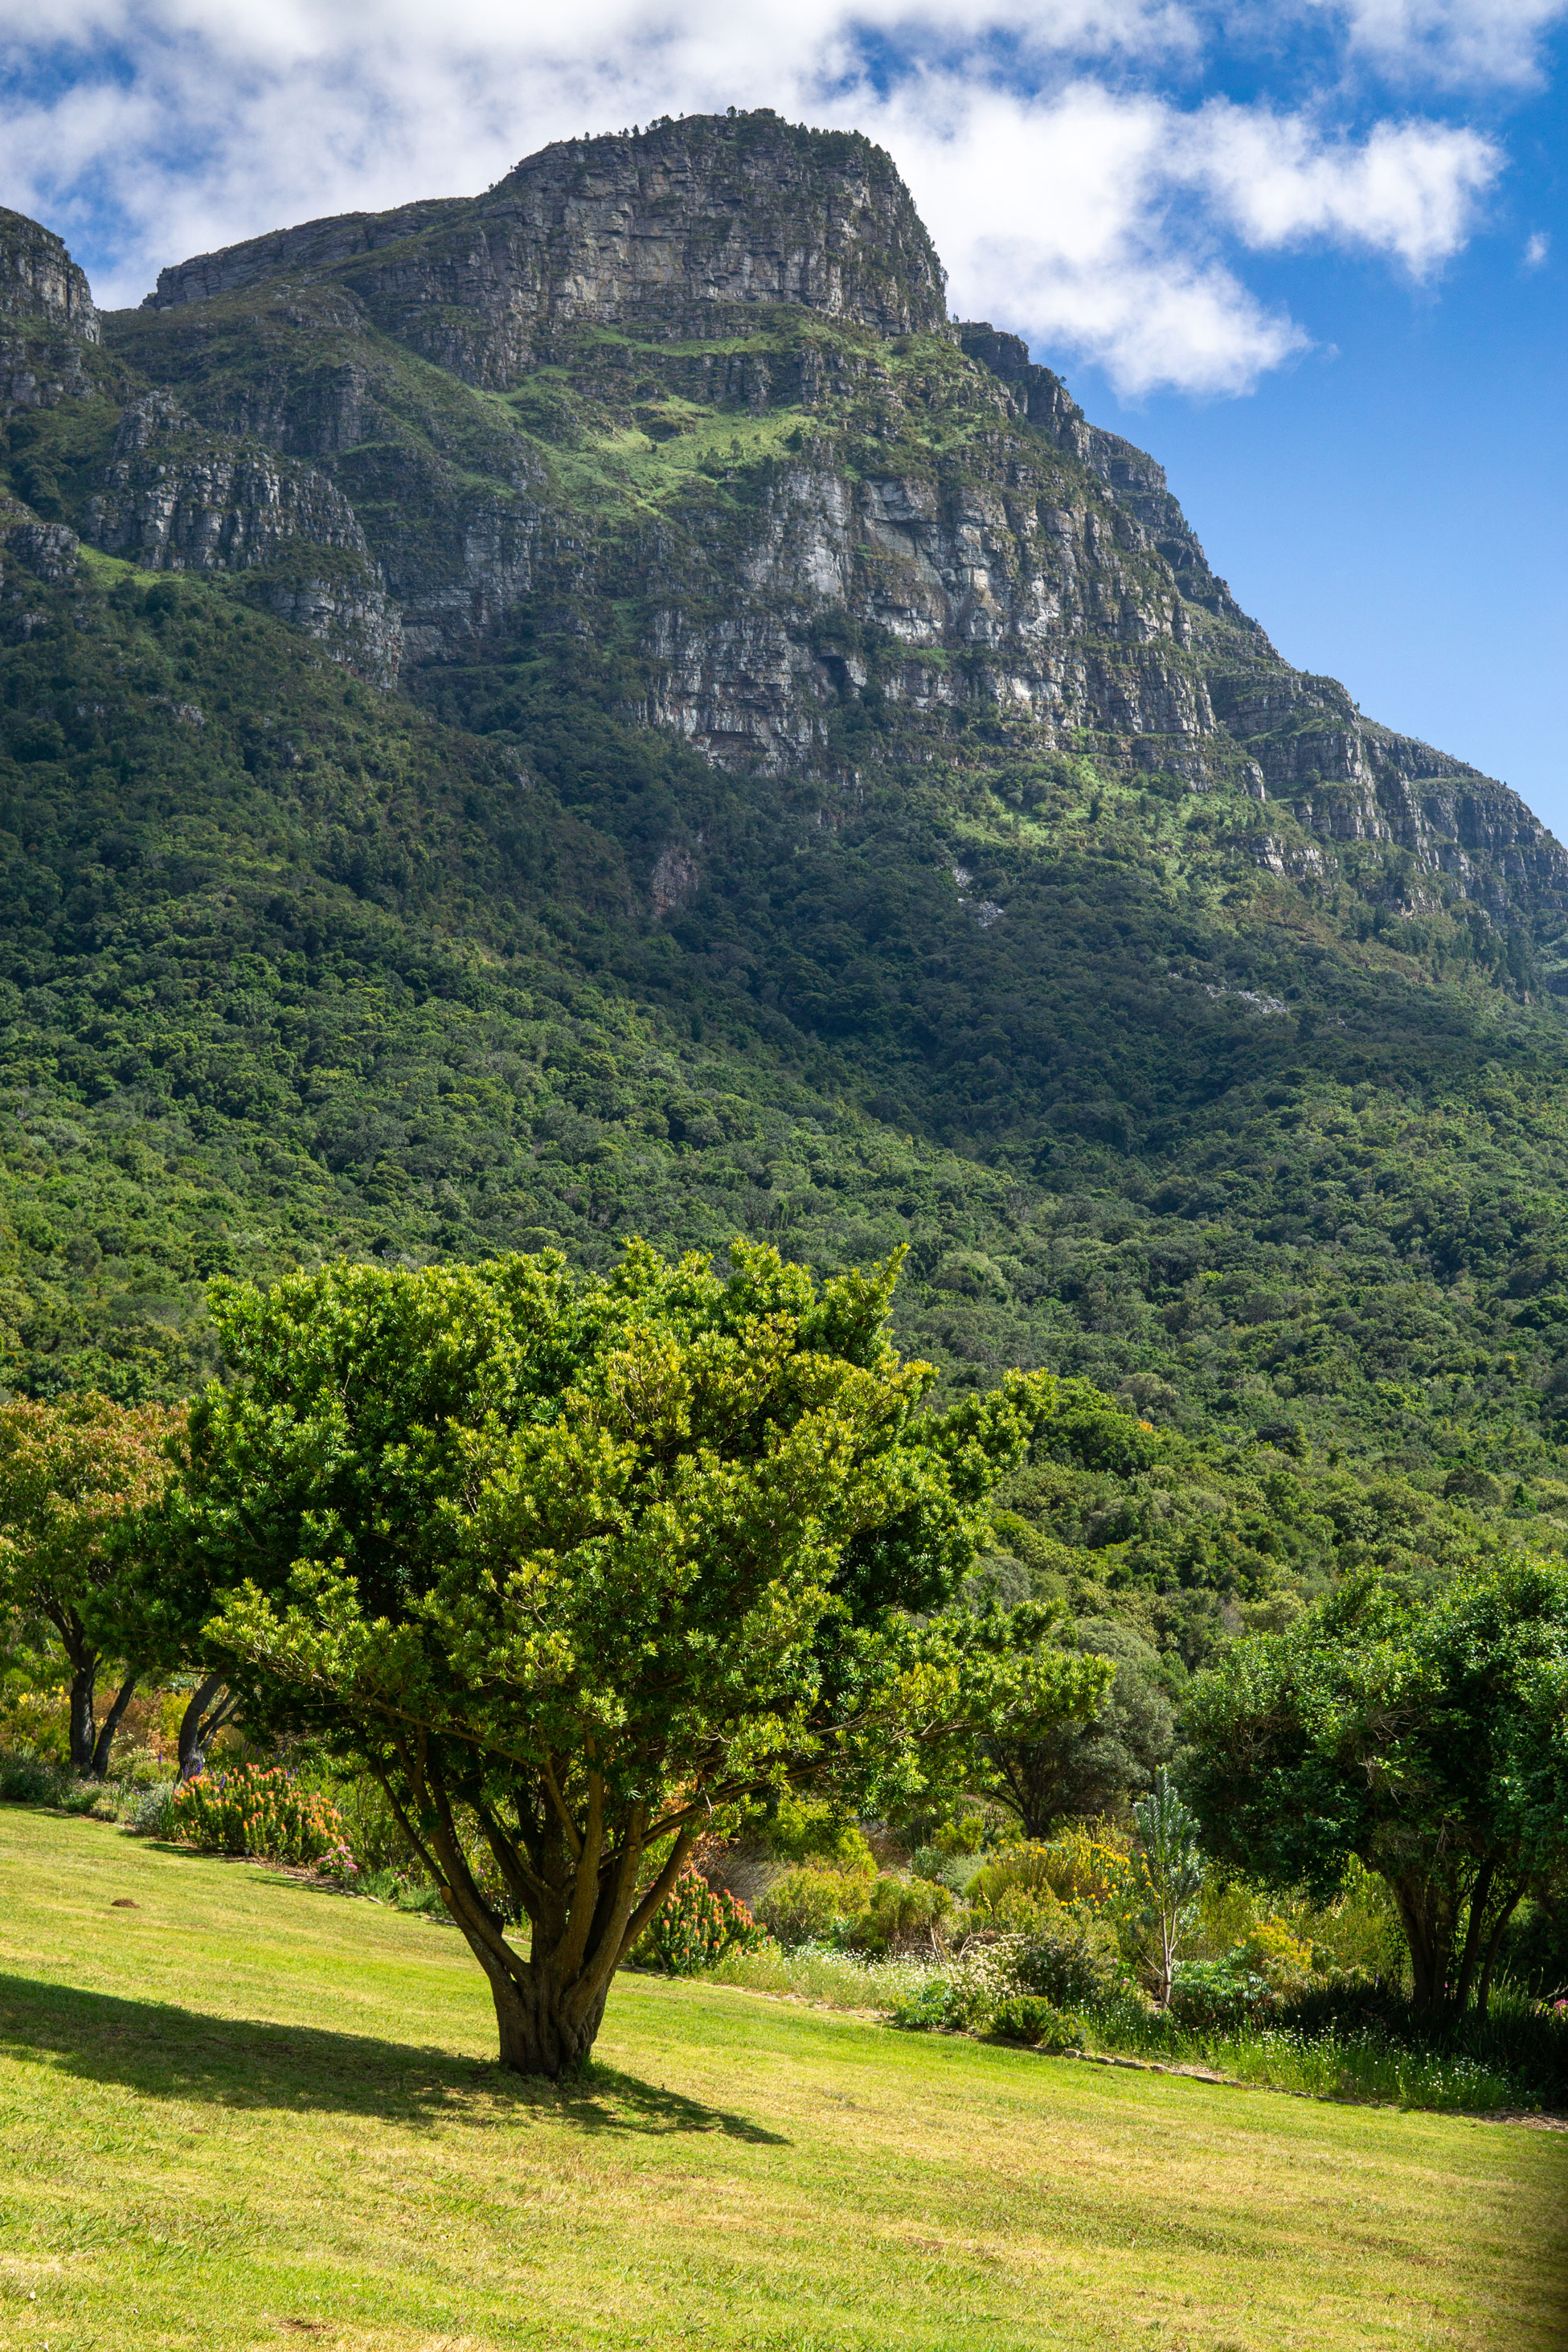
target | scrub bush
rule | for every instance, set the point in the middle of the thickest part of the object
(264, 1813)
(808, 1905)
(694, 1927)
(1039, 2023)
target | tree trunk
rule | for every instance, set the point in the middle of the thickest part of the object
(549, 2007)
(1429, 1932)
(84, 1727)
(111, 1725)
(541, 2031)
(194, 1733)
(1494, 1945)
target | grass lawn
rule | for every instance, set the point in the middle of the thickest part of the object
(244, 2112)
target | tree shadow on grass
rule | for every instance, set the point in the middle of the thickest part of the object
(160, 2051)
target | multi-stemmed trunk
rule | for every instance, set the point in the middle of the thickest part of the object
(586, 1907)
(211, 1705)
(90, 1741)
(1455, 1931)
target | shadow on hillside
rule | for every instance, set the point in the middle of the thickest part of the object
(160, 2051)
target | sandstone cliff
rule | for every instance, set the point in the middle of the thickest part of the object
(46, 318)
(687, 401)
(670, 232)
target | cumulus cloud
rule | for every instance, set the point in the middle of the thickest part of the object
(1070, 194)
(1461, 42)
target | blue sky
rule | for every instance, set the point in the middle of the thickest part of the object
(1309, 252)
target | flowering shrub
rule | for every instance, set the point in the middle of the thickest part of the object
(266, 1814)
(35, 1722)
(338, 1863)
(694, 1927)
(1024, 1885)
(1270, 1950)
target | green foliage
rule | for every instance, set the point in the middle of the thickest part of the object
(153, 1813)
(257, 1812)
(807, 1829)
(1073, 1963)
(696, 1927)
(1039, 2023)
(587, 1560)
(810, 1904)
(904, 1913)
(1158, 1908)
(1426, 1740)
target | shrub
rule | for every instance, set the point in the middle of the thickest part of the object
(1024, 1885)
(805, 1829)
(694, 1927)
(1039, 2023)
(1070, 1963)
(265, 1814)
(374, 1834)
(808, 1904)
(1216, 1992)
(39, 1781)
(932, 1861)
(903, 1911)
(1270, 1951)
(28, 1781)
(152, 1814)
(932, 2008)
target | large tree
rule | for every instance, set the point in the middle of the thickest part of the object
(576, 1565)
(1428, 1738)
(72, 1475)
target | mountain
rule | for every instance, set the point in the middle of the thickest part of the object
(598, 708)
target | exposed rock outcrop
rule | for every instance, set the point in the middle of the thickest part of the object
(48, 322)
(175, 499)
(38, 279)
(670, 232)
(687, 400)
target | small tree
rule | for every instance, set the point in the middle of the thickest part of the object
(1082, 1771)
(71, 1476)
(1167, 1875)
(585, 1563)
(1429, 1739)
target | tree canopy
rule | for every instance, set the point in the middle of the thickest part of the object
(577, 1564)
(1429, 1740)
(72, 1474)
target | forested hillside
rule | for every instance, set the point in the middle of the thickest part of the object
(524, 724)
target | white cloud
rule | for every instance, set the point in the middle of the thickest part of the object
(1098, 219)
(1461, 42)
(1409, 190)
(1537, 247)
(1091, 221)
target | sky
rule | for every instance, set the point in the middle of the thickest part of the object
(1311, 253)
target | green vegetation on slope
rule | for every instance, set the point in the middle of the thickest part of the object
(290, 968)
(242, 2104)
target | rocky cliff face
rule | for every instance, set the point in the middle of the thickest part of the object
(687, 401)
(173, 498)
(668, 232)
(46, 318)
